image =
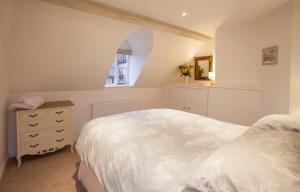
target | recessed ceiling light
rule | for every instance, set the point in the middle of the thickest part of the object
(184, 14)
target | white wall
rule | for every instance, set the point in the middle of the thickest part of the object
(147, 98)
(276, 29)
(56, 48)
(295, 67)
(168, 53)
(142, 45)
(240, 106)
(3, 101)
(239, 57)
(5, 19)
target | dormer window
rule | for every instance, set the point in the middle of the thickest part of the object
(130, 59)
(119, 72)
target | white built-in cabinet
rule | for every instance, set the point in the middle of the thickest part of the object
(231, 104)
(193, 100)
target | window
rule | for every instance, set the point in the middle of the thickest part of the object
(130, 58)
(119, 72)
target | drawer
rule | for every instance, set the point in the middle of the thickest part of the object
(34, 125)
(32, 115)
(44, 145)
(29, 126)
(59, 121)
(44, 134)
(61, 112)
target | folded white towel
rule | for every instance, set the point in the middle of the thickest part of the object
(27, 102)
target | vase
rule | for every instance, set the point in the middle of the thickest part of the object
(186, 79)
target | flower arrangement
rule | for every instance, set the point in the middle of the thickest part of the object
(186, 70)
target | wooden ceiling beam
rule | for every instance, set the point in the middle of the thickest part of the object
(130, 17)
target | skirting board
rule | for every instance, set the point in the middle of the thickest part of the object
(2, 167)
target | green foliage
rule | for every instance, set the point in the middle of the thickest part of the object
(185, 70)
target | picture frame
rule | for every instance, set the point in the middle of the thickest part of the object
(205, 63)
(270, 55)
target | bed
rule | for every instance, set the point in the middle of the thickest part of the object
(163, 150)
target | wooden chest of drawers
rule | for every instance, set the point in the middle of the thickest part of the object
(45, 129)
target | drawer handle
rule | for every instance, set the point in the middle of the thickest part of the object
(59, 140)
(59, 112)
(34, 135)
(59, 130)
(59, 121)
(34, 146)
(33, 125)
(35, 115)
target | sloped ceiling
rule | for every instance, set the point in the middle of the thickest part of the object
(141, 42)
(168, 52)
(204, 16)
(55, 48)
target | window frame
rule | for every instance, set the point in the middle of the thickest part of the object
(116, 81)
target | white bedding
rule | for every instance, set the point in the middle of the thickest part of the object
(157, 150)
(258, 161)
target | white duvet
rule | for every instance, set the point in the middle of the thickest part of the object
(164, 150)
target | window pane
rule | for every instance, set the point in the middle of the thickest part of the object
(118, 73)
(122, 59)
(111, 75)
(123, 79)
(123, 69)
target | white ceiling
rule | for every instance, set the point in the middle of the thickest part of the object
(204, 16)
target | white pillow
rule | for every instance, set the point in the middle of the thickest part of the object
(259, 161)
(34, 101)
(278, 122)
(27, 102)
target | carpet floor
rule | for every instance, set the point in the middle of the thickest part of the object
(54, 172)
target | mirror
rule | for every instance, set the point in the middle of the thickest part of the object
(203, 65)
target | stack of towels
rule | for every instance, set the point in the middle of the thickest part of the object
(27, 102)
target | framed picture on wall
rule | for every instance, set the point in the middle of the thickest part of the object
(270, 56)
(203, 66)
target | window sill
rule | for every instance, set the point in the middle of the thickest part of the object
(117, 86)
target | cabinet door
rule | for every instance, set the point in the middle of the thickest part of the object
(197, 101)
(175, 98)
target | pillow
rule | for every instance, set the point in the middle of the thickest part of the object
(278, 122)
(259, 161)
